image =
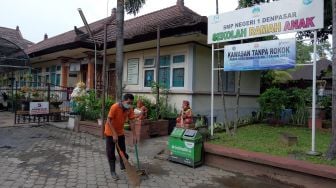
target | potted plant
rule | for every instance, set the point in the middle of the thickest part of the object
(23, 96)
(36, 95)
(55, 101)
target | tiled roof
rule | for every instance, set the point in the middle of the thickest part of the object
(66, 38)
(306, 72)
(177, 16)
(14, 36)
(168, 18)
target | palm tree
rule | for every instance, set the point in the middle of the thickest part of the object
(131, 7)
(331, 154)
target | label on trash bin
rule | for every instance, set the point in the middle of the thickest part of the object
(189, 145)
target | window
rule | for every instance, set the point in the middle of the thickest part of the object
(228, 79)
(178, 59)
(178, 77)
(58, 79)
(149, 62)
(53, 75)
(37, 77)
(47, 79)
(178, 70)
(149, 78)
(149, 75)
(171, 71)
(164, 71)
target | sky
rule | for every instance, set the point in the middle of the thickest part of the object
(54, 17)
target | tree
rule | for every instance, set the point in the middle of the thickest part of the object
(305, 50)
(331, 153)
(131, 7)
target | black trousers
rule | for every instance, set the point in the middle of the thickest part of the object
(110, 150)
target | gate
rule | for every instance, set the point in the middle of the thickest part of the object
(37, 102)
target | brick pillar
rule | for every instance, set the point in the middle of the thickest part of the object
(90, 74)
(64, 75)
(64, 71)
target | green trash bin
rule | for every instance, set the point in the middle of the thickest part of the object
(185, 147)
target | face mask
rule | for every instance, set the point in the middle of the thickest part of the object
(127, 106)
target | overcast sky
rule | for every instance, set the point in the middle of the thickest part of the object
(37, 17)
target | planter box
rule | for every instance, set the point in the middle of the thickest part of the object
(294, 172)
(145, 129)
(141, 131)
(157, 128)
(171, 124)
(89, 127)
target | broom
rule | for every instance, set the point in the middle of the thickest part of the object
(131, 170)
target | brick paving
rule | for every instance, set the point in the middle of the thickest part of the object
(46, 156)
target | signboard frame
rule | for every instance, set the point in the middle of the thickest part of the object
(38, 108)
(279, 17)
(263, 55)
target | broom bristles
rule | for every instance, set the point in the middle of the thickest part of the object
(130, 170)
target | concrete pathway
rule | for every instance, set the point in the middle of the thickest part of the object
(46, 156)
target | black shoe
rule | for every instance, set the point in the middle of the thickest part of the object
(114, 176)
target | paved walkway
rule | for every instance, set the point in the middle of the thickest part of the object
(46, 156)
(6, 119)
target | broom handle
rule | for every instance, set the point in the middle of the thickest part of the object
(120, 151)
(137, 155)
(182, 113)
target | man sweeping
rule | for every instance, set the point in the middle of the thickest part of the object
(114, 130)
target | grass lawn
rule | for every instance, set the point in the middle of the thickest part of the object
(266, 139)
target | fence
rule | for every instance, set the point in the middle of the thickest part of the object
(38, 102)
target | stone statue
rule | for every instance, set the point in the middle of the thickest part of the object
(141, 110)
(184, 120)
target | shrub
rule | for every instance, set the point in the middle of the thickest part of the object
(273, 101)
(298, 101)
(165, 111)
(89, 107)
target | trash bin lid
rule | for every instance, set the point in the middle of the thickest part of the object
(192, 135)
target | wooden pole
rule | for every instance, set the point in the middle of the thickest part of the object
(157, 71)
(103, 80)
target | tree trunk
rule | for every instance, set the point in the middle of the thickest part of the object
(331, 153)
(226, 123)
(237, 104)
(119, 48)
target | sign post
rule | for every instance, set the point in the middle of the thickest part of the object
(280, 17)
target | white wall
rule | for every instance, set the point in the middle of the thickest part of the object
(202, 106)
(202, 74)
(249, 88)
(250, 82)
